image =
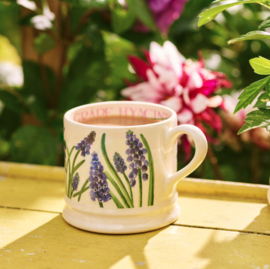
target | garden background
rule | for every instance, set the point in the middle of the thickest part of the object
(55, 55)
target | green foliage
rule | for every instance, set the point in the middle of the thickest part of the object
(143, 13)
(256, 119)
(254, 35)
(43, 43)
(250, 93)
(212, 13)
(87, 72)
(122, 19)
(37, 90)
(265, 24)
(34, 144)
(10, 101)
(90, 66)
(260, 65)
(88, 3)
(93, 40)
(263, 101)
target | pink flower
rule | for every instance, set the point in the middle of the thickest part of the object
(165, 12)
(188, 88)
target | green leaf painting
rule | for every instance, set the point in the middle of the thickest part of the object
(83, 148)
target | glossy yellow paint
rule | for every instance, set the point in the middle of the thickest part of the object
(55, 244)
(25, 193)
(37, 172)
(15, 223)
(232, 214)
(224, 189)
(215, 229)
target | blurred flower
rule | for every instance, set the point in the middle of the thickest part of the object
(259, 136)
(165, 12)
(11, 74)
(183, 85)
(41, 22)
(27, 4)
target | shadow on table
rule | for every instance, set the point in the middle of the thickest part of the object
(56, 244)
(227, 249)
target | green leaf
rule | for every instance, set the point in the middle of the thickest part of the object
(250, 93)
(34, 144)
(267, 87)
(87, 72)
(143, 13)
(88, 3)
(263, 101)
(212, 13)
(26, 20)
(34, 89)
(264, 24)
(43, 43)
(260, 65)
(258, 35)
(255, 119)
(10, 101)
(122, 19)
(9, 122)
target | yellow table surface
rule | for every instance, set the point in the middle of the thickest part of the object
(222, 225)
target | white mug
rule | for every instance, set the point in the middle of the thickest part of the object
(122, 179)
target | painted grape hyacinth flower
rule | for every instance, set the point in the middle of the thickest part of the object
(85, 145)
(119, 163)
(99, 189)
(136, 157)
(75, 182)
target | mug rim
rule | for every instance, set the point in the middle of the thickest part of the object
(68, 118)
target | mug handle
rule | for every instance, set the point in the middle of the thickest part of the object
(200, 151)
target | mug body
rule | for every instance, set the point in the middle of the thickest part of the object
(116, 176)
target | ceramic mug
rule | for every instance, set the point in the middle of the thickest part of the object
(122, 179)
